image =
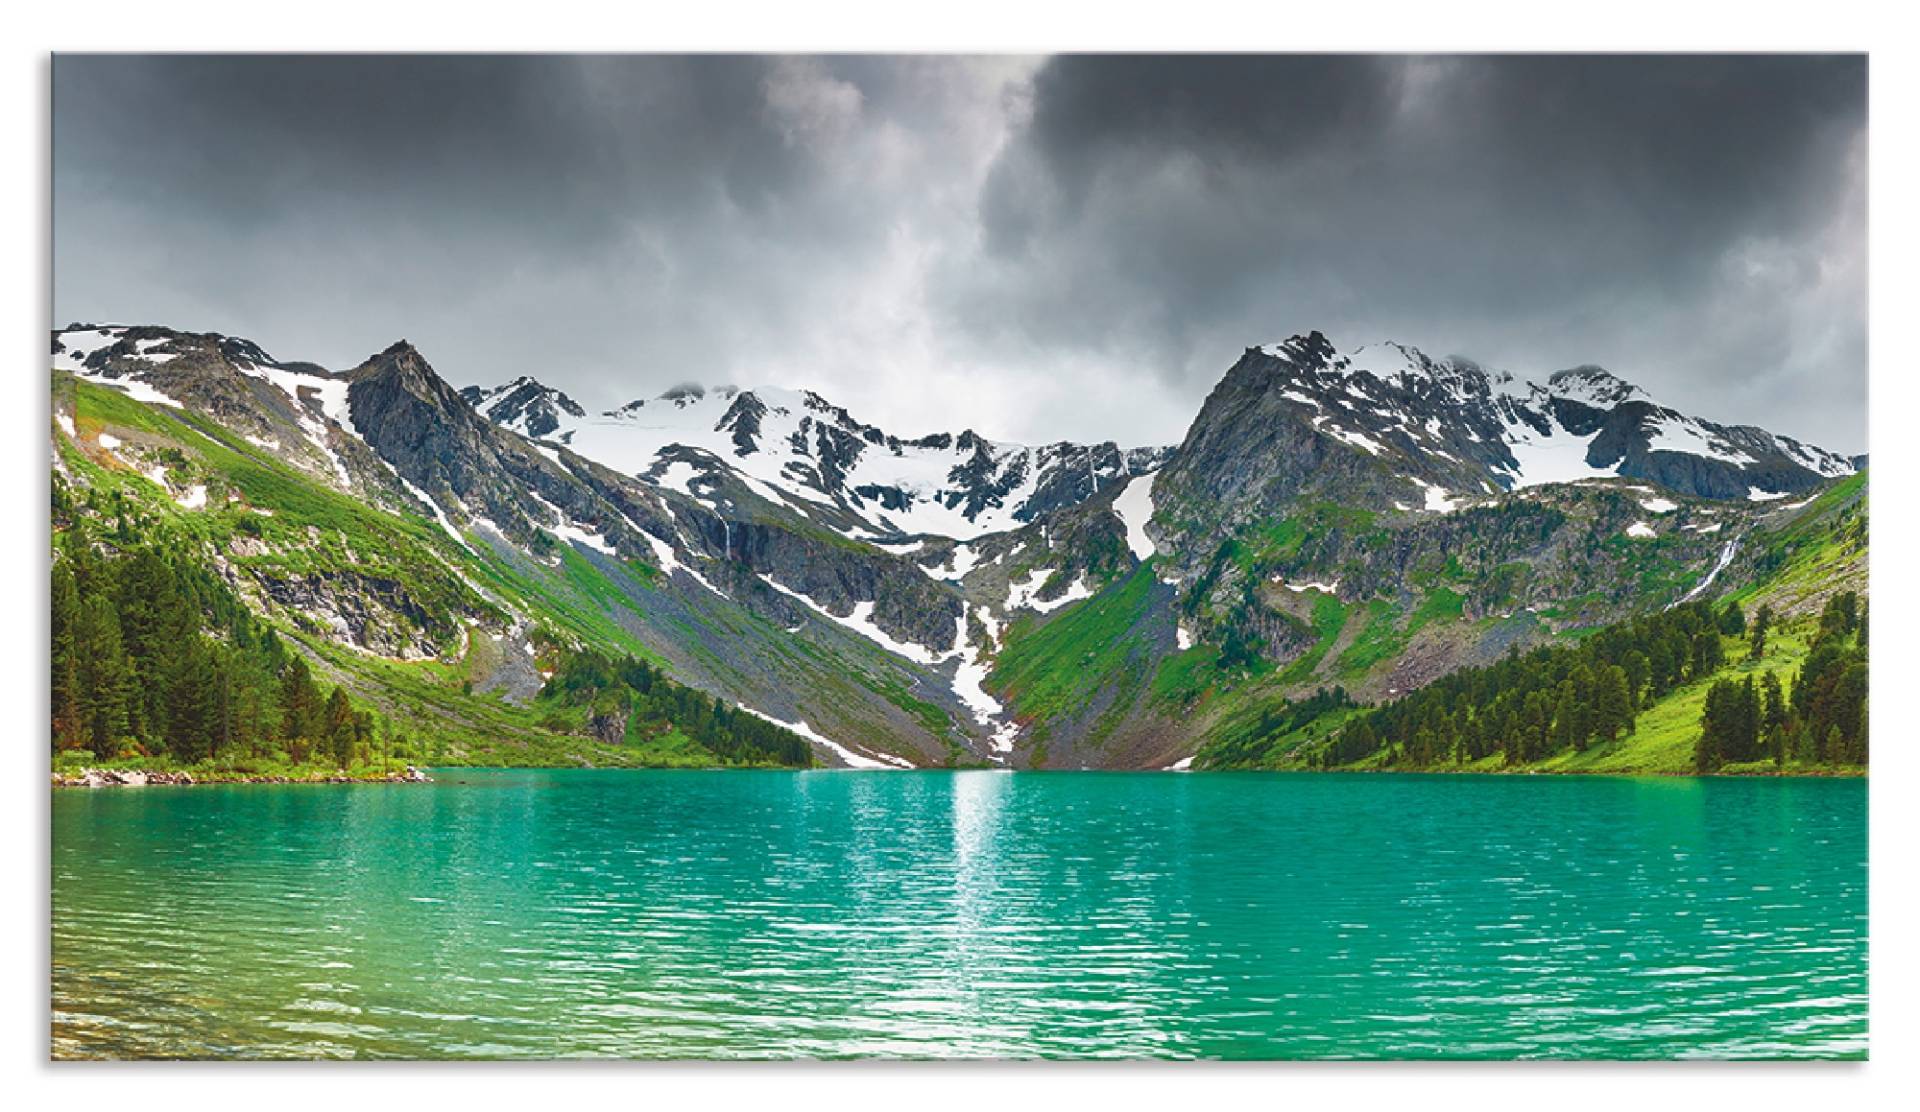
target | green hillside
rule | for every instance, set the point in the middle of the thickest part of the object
(1807, 573)
(1663, 737)
(127, 543)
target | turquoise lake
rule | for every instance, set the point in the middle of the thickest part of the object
(970, 914)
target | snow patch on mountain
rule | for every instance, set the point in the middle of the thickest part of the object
(694, 574)
(439, 515)
(852, 757)
(1594, 387)
(304, 392)
(1681, 434)
(860, 620)
(1546, 459)
(1437, 499)
(1358, 440)
(963, 561)
(79, 343)
(570, 531)
(1021, 594)
(1134, 507)
(969, 685)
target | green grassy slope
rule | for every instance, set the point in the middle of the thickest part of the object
(1799, 563)
(268, 520)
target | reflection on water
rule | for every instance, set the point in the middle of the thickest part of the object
(651, 914)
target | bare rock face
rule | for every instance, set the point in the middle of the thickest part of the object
(906, 604)
(428, 433)
(371, 612)
(1381, 427)
(610, 728)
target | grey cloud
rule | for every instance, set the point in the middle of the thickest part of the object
(1075, 247)
(1535, 212)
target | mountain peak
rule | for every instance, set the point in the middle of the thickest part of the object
(1311, 351)
(400, 362)
(524, 404)
(685, 394)
(1595, 386)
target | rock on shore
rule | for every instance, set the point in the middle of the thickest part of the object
(141, 778)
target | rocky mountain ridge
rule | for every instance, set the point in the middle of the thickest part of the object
(1371, 520)
(798, 448)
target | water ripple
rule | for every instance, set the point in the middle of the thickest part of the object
(750, 915)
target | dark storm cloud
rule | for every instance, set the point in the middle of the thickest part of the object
(1075, 247)
(1696, 223)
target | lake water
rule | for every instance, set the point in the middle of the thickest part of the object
(775, 914)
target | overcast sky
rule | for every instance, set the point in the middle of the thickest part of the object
(1075, 247)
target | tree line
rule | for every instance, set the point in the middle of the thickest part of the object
(1529, 706)
(646, 703)
(1248, 746)
(1821, 720)
(153, 655)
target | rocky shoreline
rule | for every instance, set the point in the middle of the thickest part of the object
(145, 778)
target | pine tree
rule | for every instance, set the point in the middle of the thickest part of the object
(1762, 622)
(1708, 654)
(157, 623)
(1773, 718)
(1564, 711)
(339, 728)
(1425, 745)
(1613, 708)
(1850, 697)
(299, 706)
(1732, 622)
(103, 675)
(1637, 669)
(65, 684)
(1837, 618)
(1746, 736)
(1531, 725)
(1718, 726)
(193, 710)
(1660, 668)
(1705, 753)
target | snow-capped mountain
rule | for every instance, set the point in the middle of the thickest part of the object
(1454, 429)
(796, 449)
(298, 410)
(523, 405)
(896, 599)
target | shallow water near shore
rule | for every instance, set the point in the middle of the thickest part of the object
(971, 914)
